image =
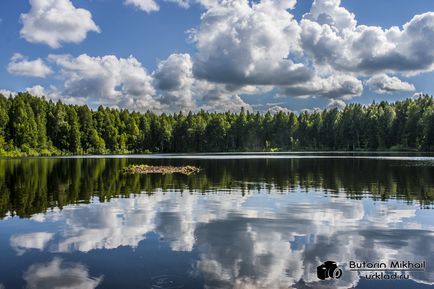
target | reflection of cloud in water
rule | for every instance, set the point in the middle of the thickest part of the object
(257, 241)
(263, 253)
(251, 255)
(121, 222)
(400, 245)
(58, 274)
(24, 242)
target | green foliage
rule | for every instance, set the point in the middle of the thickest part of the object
(31, 125)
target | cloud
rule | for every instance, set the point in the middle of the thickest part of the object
(36, 90)
(242, 44)
(53, 22)
(276, 109)
(144, 5)
(107, 80)
(7, 93)
(174, 77)
(123, 82)
(259, 44)
(248, 48)
(417, 95)
(174, 73)
(19, 65)
(311, 110)
(220, 97)
(180, 91)
(181, 3)
(58, 274)
(226, 102)
(336, 103)
(325, 54)
(334, 86)
(383, 83)
(330, 13)
(331, 37)
(54, 94)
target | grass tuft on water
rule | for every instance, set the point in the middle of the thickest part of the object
(147, 169)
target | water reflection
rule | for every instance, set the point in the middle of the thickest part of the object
(240, 224)
(30, 186)
(23, 242)
(58, 274)
(256, 241)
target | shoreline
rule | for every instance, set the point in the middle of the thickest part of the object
(403, 155)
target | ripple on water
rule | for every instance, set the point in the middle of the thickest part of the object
(166, 282)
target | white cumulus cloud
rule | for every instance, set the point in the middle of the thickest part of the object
(53, 93)
(242, 48)
(36, 90)
(383, 83)
(174, 76)
(20, 65)
(53, 22)
(329, 12)
(334, 86)
(245, 44)
(336, 103)
(331, 37)
(107, 80)
(277, 109)
(145, 5)
(7, 93)
(180, 91)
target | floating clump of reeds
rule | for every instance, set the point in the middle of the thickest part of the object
(147, 169)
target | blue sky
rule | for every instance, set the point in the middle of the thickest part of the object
(239, 54)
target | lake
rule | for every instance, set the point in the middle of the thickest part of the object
(245, 221)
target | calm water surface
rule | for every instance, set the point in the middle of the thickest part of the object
(244, 222)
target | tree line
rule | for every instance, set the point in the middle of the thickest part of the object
(31, 125)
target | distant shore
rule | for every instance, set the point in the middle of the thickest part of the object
(226, 155)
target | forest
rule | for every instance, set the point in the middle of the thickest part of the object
(32, 126)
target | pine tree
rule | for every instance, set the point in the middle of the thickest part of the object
(73, 140)
(22, 123)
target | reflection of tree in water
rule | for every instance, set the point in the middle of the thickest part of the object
(29, 186)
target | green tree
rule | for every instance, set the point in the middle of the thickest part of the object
(33, 125)
(4, 119)
(74, 134)
(23, 128)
